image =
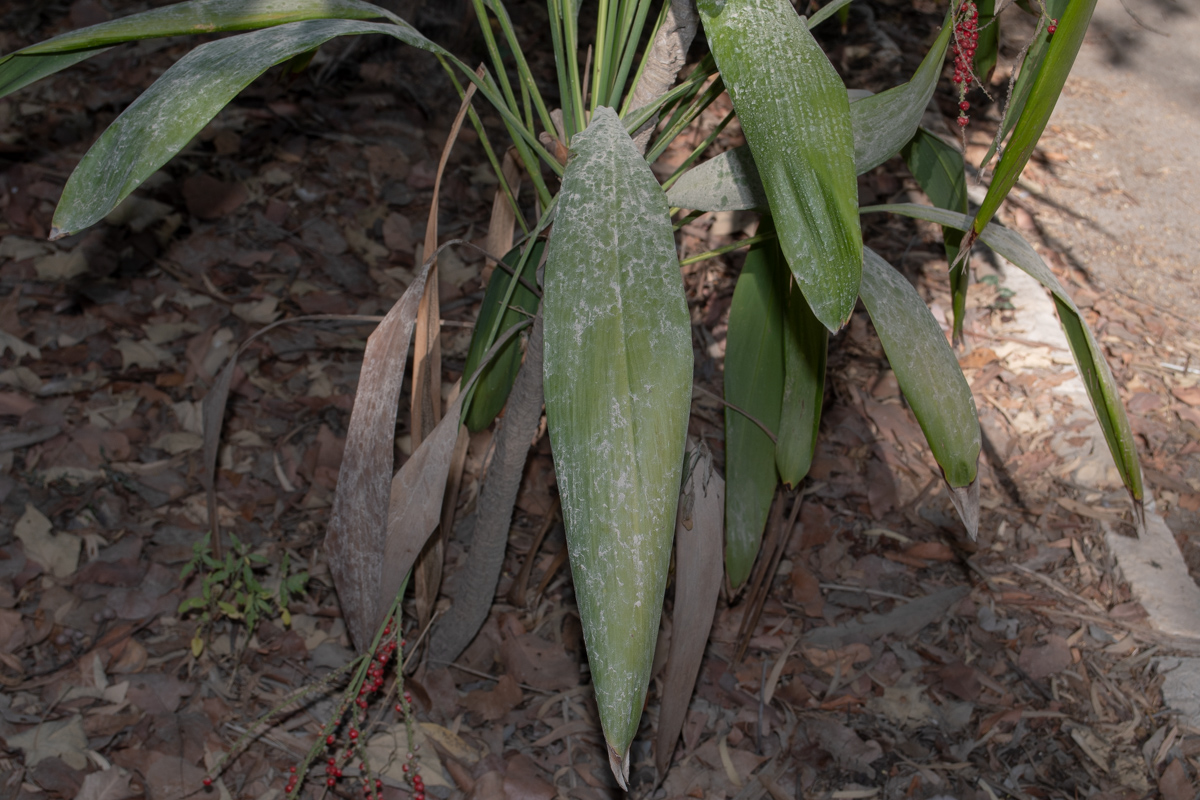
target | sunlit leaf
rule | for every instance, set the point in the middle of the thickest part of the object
(1043, 95)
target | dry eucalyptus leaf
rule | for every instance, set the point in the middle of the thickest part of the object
(61, 738)
(58, 553)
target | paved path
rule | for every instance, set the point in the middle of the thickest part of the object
(1124, 147)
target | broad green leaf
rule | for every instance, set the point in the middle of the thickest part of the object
(881, 123)
(23, 67)
(885, 122)
(491, 391)
(754, 382)
(938, 168)
(1089, 359)
(929, 376)
(796, 117)
(618, 382)
(1029, 69)
(181, 102)
(805, 346)
(1043, 95)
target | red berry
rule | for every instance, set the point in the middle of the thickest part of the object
(329, 740)
(378, 784)
(418, 796)
(353, 734)
(962, 122)
(404, 767)
(964, 105)
(208, 781)
(1052, 27)
(331, 781)
(292, 769)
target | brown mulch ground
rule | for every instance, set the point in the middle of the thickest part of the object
(1018, 667)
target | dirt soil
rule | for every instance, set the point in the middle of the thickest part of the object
(893, 659)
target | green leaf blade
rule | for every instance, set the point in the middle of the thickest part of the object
(1046, 87)
(928, 374)
(1093, 367)
(180, 103)
(496, 381)
(618, 378)
(754, 382)
(805, 348)
(796, 116)
(23, 67)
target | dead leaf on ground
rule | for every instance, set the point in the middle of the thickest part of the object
(109, 784)
(536, 662)
(1046, 659)
(492, 704)
(209, 198)
(58, 553)
(62, 738)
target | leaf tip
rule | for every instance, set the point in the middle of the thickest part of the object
(1139, 515)
(620, 766)
(966, 501)
(57, 233)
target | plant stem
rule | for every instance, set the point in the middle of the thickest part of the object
(729, 248)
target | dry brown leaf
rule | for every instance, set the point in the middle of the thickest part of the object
(1042, 661)
(500, 226)
(492, 704)
(111, 784)
(58, 553)
(414, 505)
(493, 517)
(426, 404)
(699, 542)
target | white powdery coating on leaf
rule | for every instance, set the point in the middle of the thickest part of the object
(181, 102)
(618, 372)
(926, 367)
(796, 116)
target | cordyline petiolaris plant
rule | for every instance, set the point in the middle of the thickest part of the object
(595, 279)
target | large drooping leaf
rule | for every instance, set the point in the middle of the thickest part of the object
(938, 168)
(929, 376)
(805, 346)
(882, 124)
(181, 102)
(618, 381)
(24, 66)
(796, 116)
(754, 380)
(1093, 368)
(1043, 95)
(1029, 70)
(494, 384)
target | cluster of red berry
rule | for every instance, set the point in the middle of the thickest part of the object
(1052, 27)
(966, 39)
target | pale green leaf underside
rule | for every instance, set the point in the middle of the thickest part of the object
(796, 116)
(925, 368)
(1093, 368)
(32, 63)
(618, 377)
(181, 102)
